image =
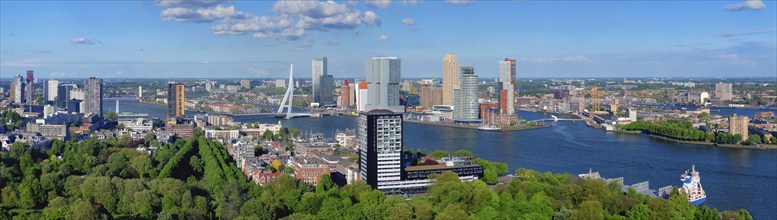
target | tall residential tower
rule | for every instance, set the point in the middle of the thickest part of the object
(175, 101)
(93, 96)
(319, 70)
(450, 78)
(507, 86)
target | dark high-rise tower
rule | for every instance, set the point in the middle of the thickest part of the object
(175, 101)
(380, 149)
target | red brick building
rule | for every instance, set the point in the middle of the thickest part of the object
(310, 170)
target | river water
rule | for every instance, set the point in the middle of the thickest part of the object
(732, 178)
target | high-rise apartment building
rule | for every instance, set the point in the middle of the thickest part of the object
(51, 90)
(723, 91)
(319, 70)
(175, 101)
(345, 94)
(466, 100)
(507, 86)
(352, 97)
(430, 95)
(29, 94)
(93, 96)
(738, 125)
(450, 78)
(17, 90)
(383, 75)
(380, 149)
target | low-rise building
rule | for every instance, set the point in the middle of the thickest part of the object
(48, 131)
(222, 134)
(310, 169)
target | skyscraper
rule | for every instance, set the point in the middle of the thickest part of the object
(383, 75)
(507, 86)
(51, 90)
(327, 90)
(319, 70)
(723, 91)
(361, 96)
(17, 90)
(345, 94)
(63, 96)
(29, 95)
(175, 101)
(430, 95)
(450, 78)
(93, 96)
(466, 105)
(380, 149)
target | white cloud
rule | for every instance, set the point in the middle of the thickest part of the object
(747, 5)
(188, 3)
(383, 37)
(377, 3)
(743, 33)
(83, 41)
(200, 15)
(576, 59)
(31, 62)
(291, 21)
(459, 2)
(408, 21)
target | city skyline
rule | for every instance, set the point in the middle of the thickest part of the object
(238, 39)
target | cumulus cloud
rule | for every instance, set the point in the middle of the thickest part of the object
(408, 21)
(83, 41)
(747, 5)
(377, 3)
(576, 59)
(743, 33)
(459, 2)
(383, 37)
(200, 15)
(291, 21)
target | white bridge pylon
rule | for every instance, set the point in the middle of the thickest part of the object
(289, 96)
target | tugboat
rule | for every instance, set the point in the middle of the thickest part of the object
(692, 186)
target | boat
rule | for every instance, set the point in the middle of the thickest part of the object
(692, 186)
(488, 128)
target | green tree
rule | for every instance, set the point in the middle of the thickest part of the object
(83, 210)
(267, 135)
(451, 212)
(111, 116)
(57, 208)
(638, 212)
(331, 209)
(10, 196)
(589, 209)
(489, 176)
(753, 139)
(438, 154)
(142, 165)
(463, 153)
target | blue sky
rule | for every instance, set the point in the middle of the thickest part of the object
(258, 39)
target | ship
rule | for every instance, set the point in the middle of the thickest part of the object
(692, 186)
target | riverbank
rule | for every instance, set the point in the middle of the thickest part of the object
(734, 146)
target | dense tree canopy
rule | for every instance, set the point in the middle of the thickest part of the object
(196, 179)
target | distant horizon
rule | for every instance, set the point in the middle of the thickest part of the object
(424, 78)
(258, 39)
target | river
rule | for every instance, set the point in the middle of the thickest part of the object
(732, 178)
